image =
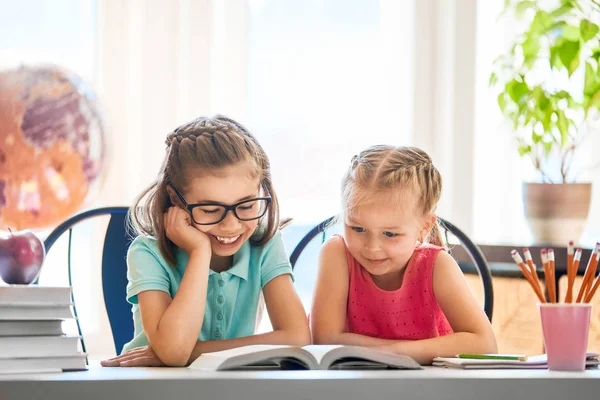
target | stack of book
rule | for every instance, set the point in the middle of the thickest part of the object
(31, 333)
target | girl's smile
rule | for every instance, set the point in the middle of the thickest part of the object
(226, 242)
(376, 262)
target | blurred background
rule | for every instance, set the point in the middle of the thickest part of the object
(315, 80)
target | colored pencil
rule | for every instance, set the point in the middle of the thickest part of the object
(570, 273)
(526, 273)
(590, 272)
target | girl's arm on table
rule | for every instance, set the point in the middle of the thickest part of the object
(287, 317)
(472, 331)
(328, 315)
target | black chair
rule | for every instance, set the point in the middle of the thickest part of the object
(471, 248)
(114, 269)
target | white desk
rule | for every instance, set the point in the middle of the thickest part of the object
(180, 383)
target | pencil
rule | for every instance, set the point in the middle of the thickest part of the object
(511, 357)
(590, 272)
(531, 265)
(544, 257)
(576, 259)
(588, 297)
(593, 268)
(552, 281)
(519, 261)
(570, 273)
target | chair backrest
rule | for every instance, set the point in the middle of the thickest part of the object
(471, 248)
(114, 268)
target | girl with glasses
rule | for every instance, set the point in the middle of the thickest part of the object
(208, 248)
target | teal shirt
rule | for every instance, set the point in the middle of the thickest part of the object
(232, 300)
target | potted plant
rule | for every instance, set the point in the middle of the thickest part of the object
(549, 83)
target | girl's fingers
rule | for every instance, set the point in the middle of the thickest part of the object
(130, 357)
(144, 361)
(114, 362)
(110, 363)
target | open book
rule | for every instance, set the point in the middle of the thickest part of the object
(318, 357)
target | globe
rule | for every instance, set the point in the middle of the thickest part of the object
(52, 146)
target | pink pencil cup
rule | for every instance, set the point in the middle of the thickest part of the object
(565, 327)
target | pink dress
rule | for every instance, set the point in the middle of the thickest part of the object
(409, 313)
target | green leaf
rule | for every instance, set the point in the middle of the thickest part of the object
(541, 23)
(588, 30)
(493, 79)
(522, 7)
(536, 137)
(531, 47)
(502, 101)
(595, 101)
(547, 119)
(555, 57)
(562, 10)
(568, 53)
(524, 149)
(563, 127)
(571, 33)
(548, 148)
(517, 90)
(574, 65)
(591, 83)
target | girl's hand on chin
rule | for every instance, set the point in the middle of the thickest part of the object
(179, 229)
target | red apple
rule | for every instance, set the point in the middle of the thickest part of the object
(21, 256)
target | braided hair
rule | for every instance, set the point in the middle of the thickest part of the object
(380, 171)
(200, 145)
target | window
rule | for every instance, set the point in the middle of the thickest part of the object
(325, 80)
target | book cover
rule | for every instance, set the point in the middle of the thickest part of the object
(37, 346)
(30, 327)
(34, 311)
(35, 294)
(67, 362)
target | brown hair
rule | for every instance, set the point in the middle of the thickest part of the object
(403, 170)
(200, 145)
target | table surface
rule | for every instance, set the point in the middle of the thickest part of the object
(183, 383)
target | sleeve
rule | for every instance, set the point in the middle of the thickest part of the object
(275, 261)
(145, 271)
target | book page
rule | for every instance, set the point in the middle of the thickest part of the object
(320, 350)
(357, 357)
(241, 356)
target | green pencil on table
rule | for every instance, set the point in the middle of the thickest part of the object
(509, 357)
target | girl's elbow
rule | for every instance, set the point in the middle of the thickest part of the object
(174, 357)
(324, 338)
(300, 337)
(491, 344)
(487, 343)
(303, 340)
(172, 354)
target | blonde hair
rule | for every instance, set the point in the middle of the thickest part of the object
(203, 144)
(404, 171)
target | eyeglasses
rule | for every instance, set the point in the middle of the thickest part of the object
(213, 213)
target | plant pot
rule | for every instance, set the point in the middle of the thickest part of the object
(556, 212)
